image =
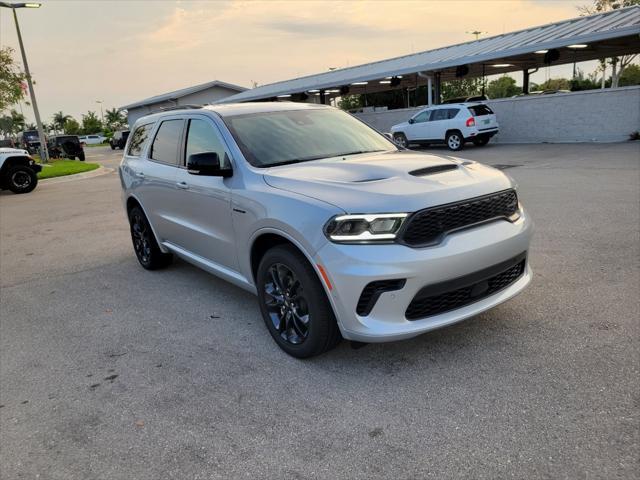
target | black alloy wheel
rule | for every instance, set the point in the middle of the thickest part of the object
(144, 242)
(286, 303)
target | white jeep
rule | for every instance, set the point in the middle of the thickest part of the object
(18, 170)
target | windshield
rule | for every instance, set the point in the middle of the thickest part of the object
(278, 138)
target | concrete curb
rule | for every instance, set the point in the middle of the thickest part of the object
(78, 176)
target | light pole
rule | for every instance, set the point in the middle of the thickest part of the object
(44, 154)
(101, 112)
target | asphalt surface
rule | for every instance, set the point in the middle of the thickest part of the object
(108, 371)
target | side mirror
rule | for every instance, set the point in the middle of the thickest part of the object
(207, 164)
(411, 120)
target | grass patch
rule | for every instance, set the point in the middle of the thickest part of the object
(60, 168)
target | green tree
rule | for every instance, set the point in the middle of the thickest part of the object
(59, 119)
(71, 127)
(630, 76)
(11, 79)
(350, 102)
(91, 123)
(464, 87)
(114, 119)
(618, 64)
(503, 87)
(553, 84)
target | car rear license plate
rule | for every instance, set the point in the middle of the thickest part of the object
(486, 122)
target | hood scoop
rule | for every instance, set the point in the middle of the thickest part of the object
(423, 172)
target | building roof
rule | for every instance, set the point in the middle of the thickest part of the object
(520, 45)
(182, 93)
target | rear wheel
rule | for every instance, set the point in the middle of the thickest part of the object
(294, 305)
(455, 140)
(81, 157)
(401, 139)
(112, 146)
(21, 179)
(480, 141)
(144, 242)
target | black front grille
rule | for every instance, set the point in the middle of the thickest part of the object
(443, 297)
(372, 292)
(428, 227)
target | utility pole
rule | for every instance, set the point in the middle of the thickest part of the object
(101, 112)
(44, 153)
(476, 33)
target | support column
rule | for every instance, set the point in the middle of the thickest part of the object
(322, 97)
(429, 92)
(525, 81)
(437, 89)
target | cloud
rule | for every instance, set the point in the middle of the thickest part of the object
(314, 28)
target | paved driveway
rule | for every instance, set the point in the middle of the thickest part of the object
(108, 371)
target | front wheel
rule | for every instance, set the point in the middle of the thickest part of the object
(112, 146)
(144, 242)
(401, 140)
(294, 305)
(21, 179)
(455, 141)
(81, 157)
(480, 141)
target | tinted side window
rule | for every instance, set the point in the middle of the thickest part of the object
(452, 112)
(165, 146)
(202, 137)
(440, 114)
(422, 117)
(480, 110)
(138, 139)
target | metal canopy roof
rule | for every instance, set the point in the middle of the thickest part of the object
(182, 93)
(607, 34)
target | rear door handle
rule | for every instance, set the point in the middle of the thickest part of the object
(182, 185)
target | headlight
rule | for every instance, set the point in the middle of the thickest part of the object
(375, 227)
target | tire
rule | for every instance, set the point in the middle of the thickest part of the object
(455, 140)
(21, 179)
(112, 147)
(289, 291)
(401, 139)
(480, 141)
(144, 241)
(81, 157)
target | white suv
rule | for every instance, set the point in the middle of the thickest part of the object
(451, 124)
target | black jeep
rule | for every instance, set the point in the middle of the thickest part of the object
(65, 146)
(119, 139)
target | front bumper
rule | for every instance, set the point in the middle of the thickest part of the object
(351, 267)
(36, 167)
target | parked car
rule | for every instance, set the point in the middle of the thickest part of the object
(18, 171)
(29, 140)
(338, 231)
(452, 125)
(92, 139)
(473, 98)
(7, 143)
(65, 146)
(119, 139)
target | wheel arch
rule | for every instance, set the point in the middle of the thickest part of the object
(131, 202)
(14, 161)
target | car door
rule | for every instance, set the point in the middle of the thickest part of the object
(419, 128)
(439, 123)
(205, 203)
(155, 168)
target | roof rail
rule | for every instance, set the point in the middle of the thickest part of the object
(179, 107)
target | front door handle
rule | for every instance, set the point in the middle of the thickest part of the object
(139, 174)
(182, 185)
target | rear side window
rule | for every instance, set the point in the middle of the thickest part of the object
(480, 110)
(452, 112)
(202, 137)
(440, 114)
(139, 139)
(165, 146)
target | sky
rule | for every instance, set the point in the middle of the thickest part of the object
(121, 51)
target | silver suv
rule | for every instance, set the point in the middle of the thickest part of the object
(340, 233)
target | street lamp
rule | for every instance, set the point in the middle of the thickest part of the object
(44, 154)
(101, 112)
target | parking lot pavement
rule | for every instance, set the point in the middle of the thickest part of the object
(110, 371)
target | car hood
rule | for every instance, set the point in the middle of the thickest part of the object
(388, 182)
(8, 150)
(399, 126)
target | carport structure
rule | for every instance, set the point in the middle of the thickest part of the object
(579, 39)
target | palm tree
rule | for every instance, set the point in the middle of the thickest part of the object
(59, 119)
(17, 121)
(114, 118)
